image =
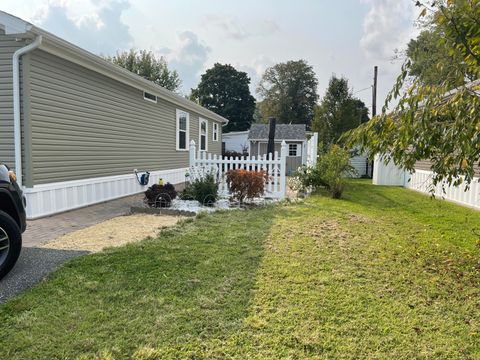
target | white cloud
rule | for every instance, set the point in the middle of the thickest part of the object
(255, 70)
(188, 57)
(387, 26)
(268, 27)
(232, 28)
(100, 30)
(229, 25)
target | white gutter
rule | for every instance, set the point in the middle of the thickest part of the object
(17, 130)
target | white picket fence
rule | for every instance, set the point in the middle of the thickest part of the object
(274, 166)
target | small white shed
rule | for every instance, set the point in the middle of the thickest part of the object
(295, 135)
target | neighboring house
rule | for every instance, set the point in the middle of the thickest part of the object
(387, 173)
(362, 165)
(235, 141)
(75, 126)
(295, 135)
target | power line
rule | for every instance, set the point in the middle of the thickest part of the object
(367, 88)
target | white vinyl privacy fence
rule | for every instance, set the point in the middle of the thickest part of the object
(274, 165)
(312, 150)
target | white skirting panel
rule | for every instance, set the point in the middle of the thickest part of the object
(421, 181)
(48, 199)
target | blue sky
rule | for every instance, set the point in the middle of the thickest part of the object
(342, 37)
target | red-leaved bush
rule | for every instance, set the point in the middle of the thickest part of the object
(246, 184)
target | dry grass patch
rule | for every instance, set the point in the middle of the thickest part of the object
(114, 232)
(384, 273)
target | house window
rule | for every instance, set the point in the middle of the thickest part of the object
(293, 150)
(150, 97)
(203, 135)
(182, 130)
(215, 132)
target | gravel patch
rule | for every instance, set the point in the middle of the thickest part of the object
(114, 232)
(195, 207)
(37, 262)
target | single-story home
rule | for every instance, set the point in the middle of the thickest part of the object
(75, 126)
(362, 164)
(295, 135)
(421, 179)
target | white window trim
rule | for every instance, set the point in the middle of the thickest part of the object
(215, 132)
(298, 153)
(177, 130)
(200, 120)
(151, 100)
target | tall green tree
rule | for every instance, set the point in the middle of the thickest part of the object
(289, 92)
(338, 112)
(430, 62)
(225, 91)
(439, 122)
(145, 64)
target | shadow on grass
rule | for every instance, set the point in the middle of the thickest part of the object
(193, 283)
(410, 202)
(414, 212)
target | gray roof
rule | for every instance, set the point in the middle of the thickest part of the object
(282, 132)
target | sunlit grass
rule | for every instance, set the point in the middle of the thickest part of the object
(383, 273)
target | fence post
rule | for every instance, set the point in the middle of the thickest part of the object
(283, 170)
(192, 153)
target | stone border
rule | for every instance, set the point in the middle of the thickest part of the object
(160, 211)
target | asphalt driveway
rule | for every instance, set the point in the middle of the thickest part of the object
(35, 262)
(32, 266)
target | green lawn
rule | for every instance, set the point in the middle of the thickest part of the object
(383, 273)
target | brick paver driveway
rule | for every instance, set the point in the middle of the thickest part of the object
(35, 263)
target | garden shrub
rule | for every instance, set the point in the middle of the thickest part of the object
(246, 184)
(331, 171)
(204, 189)
(334, 167)
(305, 178)
(160, 195)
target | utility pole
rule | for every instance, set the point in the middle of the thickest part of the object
(374, 91)
(374, 108)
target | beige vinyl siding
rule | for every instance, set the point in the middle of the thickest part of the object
(8, 45)
(214, 146)
(425, 165)
(87, 125)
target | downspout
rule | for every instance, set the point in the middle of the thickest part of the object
(17, 129)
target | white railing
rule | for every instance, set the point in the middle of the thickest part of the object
(274, 166)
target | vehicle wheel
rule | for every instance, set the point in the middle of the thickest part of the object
(10, 243)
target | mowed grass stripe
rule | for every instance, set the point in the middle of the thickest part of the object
(383, 273)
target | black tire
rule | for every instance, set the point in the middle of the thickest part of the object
(9, 256)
